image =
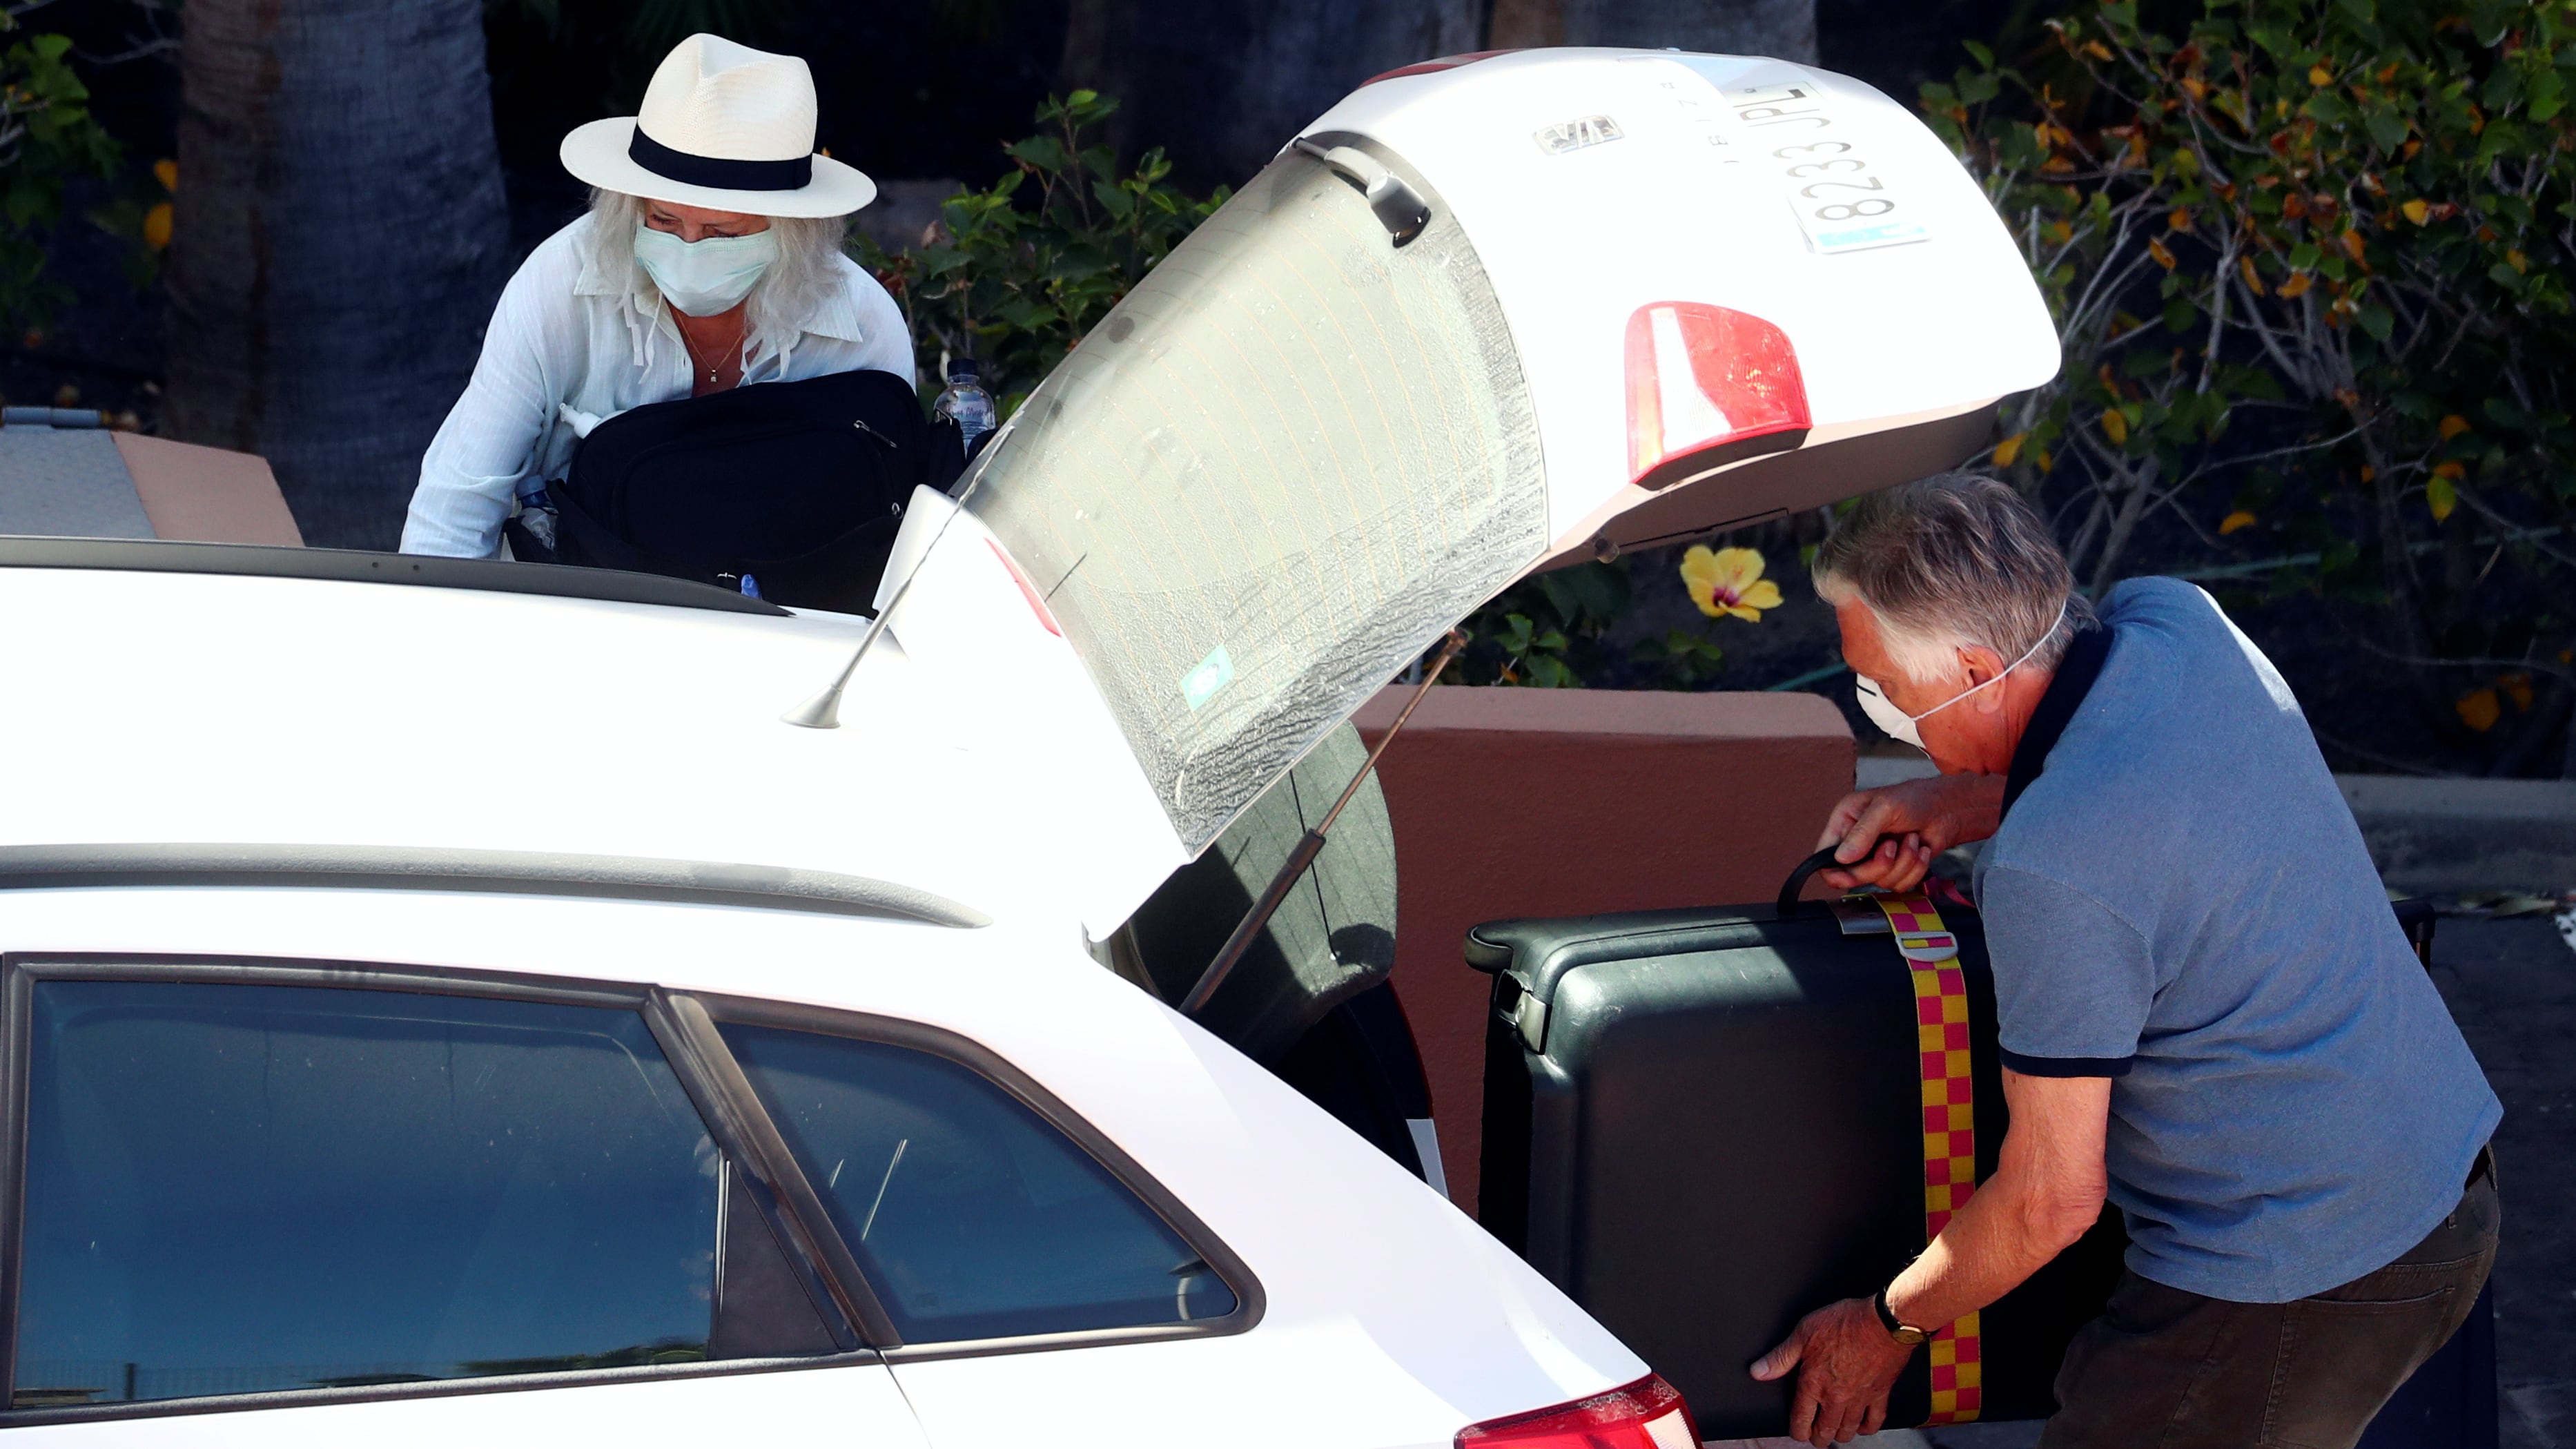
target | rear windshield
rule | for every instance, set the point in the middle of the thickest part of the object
(1288, 460)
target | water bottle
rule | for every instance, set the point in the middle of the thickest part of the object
(967, 403)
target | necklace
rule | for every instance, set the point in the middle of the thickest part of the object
(708, 373)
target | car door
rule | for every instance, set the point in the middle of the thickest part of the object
(290, 1203)
(1033, 1273)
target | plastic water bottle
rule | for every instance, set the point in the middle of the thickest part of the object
(966, 401)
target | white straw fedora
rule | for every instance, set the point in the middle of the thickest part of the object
(723, 126)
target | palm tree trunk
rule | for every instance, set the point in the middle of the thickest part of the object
(340, 234)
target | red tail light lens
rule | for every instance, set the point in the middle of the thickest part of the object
(1028, 591)
(1426, 67)
(1648, 1414)
(1707, 385)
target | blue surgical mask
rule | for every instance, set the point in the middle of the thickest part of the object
(708, 276)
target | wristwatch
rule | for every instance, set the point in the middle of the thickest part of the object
(1905, 1334)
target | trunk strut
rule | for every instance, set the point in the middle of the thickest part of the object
(1308, 846)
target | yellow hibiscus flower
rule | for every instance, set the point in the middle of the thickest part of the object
(1728, 581)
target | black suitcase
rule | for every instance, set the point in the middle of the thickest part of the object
(1703, 1124)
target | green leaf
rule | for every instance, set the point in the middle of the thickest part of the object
(2503, 88)
(1046, 153)
(1984, 57)
(2548, 92)
(2441, 496)
(2377, 320)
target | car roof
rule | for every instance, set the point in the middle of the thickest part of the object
(477, 737)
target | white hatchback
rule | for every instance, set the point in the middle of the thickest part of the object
(445, 1001)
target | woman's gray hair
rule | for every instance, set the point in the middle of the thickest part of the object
(1951, 562)
(794, 288)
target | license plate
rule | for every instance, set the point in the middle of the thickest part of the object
(1842, 201)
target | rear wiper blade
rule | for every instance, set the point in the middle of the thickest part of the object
(1398, 207)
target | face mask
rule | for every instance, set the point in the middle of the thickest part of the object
(1898, 724)
(705, 277)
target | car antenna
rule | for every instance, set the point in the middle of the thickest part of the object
(1309, 845)
(823, 711)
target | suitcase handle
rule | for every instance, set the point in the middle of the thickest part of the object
(1822, 859)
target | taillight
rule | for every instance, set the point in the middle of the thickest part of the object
(1648, 1414)
(1426, 67)
(1028, 590)
(1706, 386)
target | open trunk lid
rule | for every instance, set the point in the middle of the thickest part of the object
(1483, 318)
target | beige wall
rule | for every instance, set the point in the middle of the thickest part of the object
(206, 495)
(1547, 802)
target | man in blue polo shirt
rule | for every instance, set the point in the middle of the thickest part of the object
(2206, 1010)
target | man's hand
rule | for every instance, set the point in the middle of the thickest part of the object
(1846, 1362)
(1925, 817)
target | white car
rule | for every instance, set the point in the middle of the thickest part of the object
(448, 1001)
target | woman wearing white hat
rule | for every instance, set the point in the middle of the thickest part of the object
(710, 258)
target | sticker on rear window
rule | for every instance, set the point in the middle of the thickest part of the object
(1574, 135)
(1208, 676)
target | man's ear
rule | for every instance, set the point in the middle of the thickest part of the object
(1980, 665)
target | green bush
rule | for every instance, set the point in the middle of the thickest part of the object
(2309, 264)
(46, 136)
(1016, 273)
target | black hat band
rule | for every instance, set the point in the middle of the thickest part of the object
(717, 173)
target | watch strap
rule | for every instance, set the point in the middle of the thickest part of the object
(1897, 1329)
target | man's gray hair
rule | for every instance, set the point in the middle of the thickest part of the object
(794, 288)
(1951, 562)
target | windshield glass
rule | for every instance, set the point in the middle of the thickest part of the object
(1289, 459)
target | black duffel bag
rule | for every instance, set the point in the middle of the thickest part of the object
(800, 486)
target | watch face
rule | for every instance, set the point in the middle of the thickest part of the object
(1910, 1336)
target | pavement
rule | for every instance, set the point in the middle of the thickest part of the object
(2511, 985)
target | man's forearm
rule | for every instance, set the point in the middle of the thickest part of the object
(1988, 1248)
(2047, 1189)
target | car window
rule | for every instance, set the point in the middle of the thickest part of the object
(1290, 457)
(234, 1188)
(973, 1216)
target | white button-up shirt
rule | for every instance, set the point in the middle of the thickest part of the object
(570, 347)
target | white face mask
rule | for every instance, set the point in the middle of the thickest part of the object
(708, 276)
(1883, 712)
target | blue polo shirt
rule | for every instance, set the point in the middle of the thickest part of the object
(2180, 900)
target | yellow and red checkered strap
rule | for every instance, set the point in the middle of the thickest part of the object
(1949, 1127)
